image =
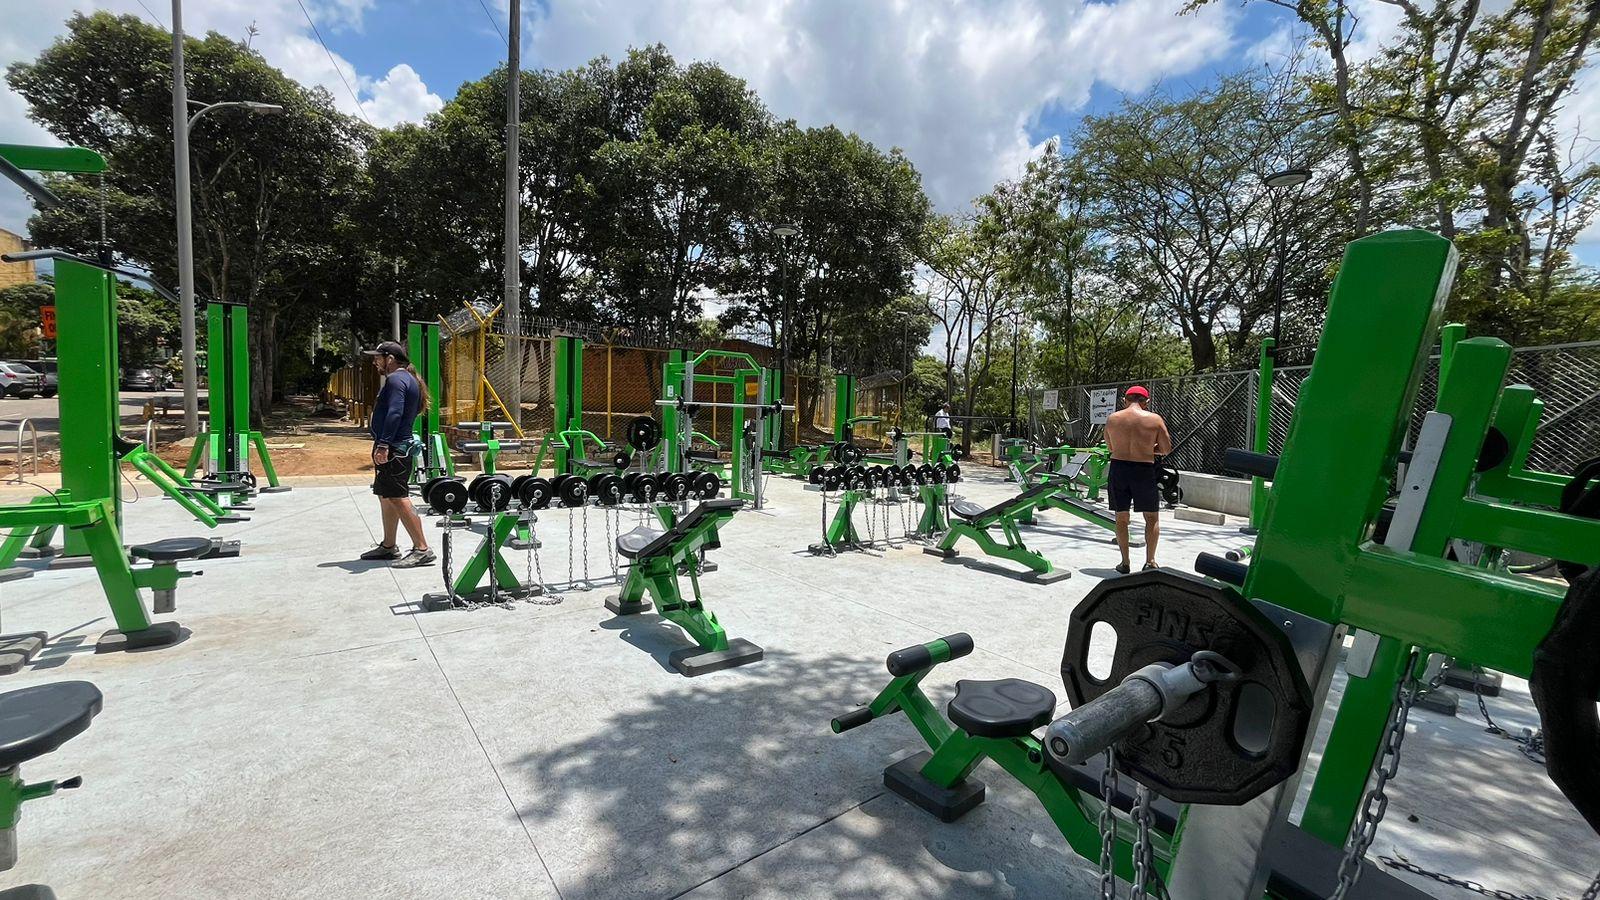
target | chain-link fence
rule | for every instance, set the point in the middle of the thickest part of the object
(1207, 414)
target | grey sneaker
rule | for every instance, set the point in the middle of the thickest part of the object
(382, 552)
(414, 559)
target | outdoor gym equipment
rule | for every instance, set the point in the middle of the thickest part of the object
(748, 379)
(975, 521)
(35, 721)
(657, 557)
(877, 488)
(88, 507)
(422, 346)
(489, 445)
(1328, 560)
(797, 459)
(229, 437)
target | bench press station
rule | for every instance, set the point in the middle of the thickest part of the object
(974, 521)
(657, 556)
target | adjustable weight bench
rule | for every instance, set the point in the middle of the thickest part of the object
(656, 556)
(973, 521)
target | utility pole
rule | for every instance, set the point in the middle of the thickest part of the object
(513, 297)
(399, 336)
(180, 166)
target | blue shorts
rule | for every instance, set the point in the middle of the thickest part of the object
(1133, 484)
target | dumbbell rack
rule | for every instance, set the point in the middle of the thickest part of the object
(856, 485)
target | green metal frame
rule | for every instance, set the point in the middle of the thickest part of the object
(679, 375)
(422, 345)
(1261, 435)
(956, 754)
(1009, 516)
(841, 533)
(657, 576)
(505, 527)
(225, 452)
(934, 519)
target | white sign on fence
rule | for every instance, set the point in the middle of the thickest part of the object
(1102, 403)
(1052, 399)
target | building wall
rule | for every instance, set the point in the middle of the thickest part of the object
(14, 273)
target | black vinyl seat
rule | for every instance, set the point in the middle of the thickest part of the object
(171, 549)
(703, 454)
(37, 720)
(591, 463)
(637, 540)
(966, 509)
(1009, 707)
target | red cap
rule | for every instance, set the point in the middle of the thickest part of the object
(1137, 391)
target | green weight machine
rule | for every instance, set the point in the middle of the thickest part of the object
(225, 451)
(1214, 686)
(657, 556)
(87, 510)
(975, 523)
(744, 472)
(422, 345)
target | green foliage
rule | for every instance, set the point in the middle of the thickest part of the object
(147, 325)
(19, 317)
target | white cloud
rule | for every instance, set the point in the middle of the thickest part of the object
(399, 97)
(282, 36)
(956, 84)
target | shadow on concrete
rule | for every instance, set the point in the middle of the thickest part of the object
(653, 634)
(742, 768)
(1096, 572)
(356, 566)
(976, 564)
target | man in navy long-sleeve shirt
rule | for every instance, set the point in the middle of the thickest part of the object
(394, 449)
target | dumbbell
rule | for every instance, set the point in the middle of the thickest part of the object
(449, 496)
(560, 481)
(643, 489)
(952, 473)
(607, 489)
(533, 492)
(573, 492)
(491, 493)
(707, 485)
(816, 473)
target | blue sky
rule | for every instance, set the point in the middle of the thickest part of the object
(968, 88)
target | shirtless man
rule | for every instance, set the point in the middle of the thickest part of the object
(1136, 436)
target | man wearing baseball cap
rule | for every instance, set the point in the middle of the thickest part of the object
(394, 449)
(1136, 436)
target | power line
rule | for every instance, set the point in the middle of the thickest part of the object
(493, 22)
(155, 18)
(336, 70)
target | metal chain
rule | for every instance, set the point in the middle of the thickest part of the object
(571, 543)
(538, 592)
(1108, 828)
(611, 542)
(1376, 802)
(444, 560)
(1530, 743)
(1593, 891)
(1398, 861)
(585, 515)
(1144, 856)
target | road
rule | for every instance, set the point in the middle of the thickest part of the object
(45, 416)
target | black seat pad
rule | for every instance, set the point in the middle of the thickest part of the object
(37, 720)
(966, 509)
(705, 508)
(633, 543)
(592, 463)
(702, 454)
(1009, 707)
(1044, 487)
(171, 549)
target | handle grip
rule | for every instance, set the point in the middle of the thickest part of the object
(915, 658)
(1213, 566)
(855, 718)
(1249, 462)
(1103, 721)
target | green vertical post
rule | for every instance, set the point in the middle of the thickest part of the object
(567, 360)
(1263, 428)
(672, 387)
(238, 365)
(217, 394)
(844, 405)
(422, 346)
(1449, 336)
(1383, 314)
(86, 310)
(772, 426)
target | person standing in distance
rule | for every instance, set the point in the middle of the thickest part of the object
(394, 449)
(941, 419)
(1136, 436)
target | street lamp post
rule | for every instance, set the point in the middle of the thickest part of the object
(182, 124)
(1276, 182)
(784, 232)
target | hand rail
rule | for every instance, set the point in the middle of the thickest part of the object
(17, 479)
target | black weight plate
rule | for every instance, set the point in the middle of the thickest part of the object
(958, 452)
(629, 479)
(816, 473)
(450, 496)
(535, 493)
(935, 474)
(643, 489)
(491, 493)
(643, 433)
(573, 492)
(903, 477)
(472, 486)
(607, 489)
(516, 485)
(707, 485)
(429, 485)
(832, 479)
(1494, 451)
(922, 474)
(558, 482)
(952, 473)
(676, 486)
(1194, 757)
(621, 459)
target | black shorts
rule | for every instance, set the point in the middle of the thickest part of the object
(393, 478)
(1133, 483)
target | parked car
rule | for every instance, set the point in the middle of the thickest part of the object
(146, 378)
(20, 381)
(45, 367)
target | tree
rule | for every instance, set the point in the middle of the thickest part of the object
(19, 317)
(271, 193)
